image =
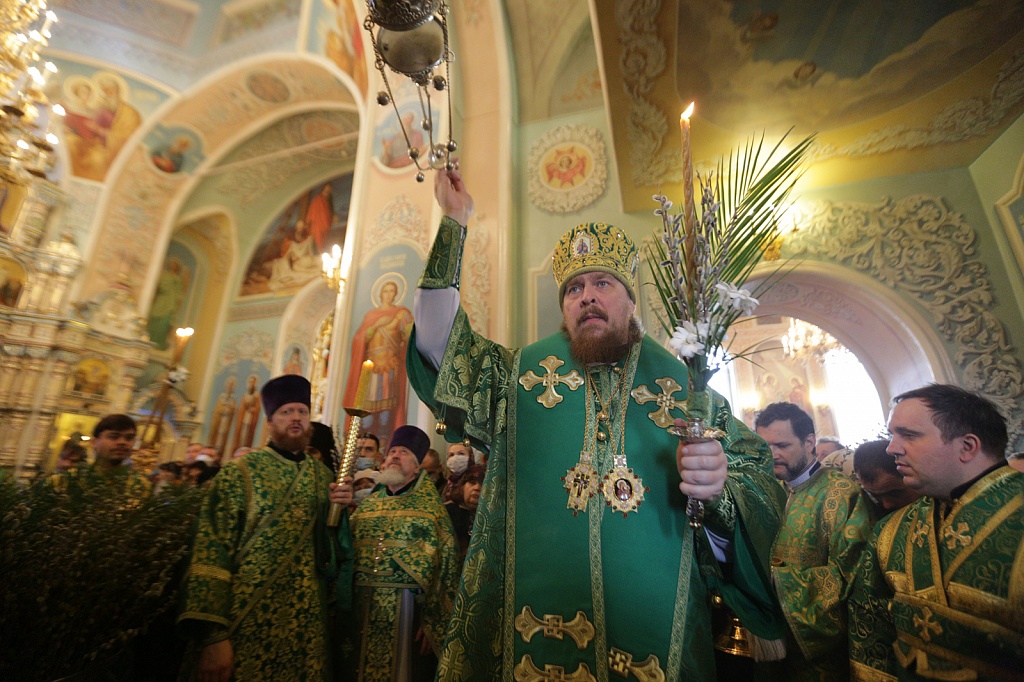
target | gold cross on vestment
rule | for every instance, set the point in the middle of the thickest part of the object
(926, 626)
(960, 536)
(549, 398)
(641, 394)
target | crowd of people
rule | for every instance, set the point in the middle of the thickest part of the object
(566, 533)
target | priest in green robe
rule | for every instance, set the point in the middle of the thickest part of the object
(583, 563)
(255, 597)
(826, 526)
(406, 568)
(939, 593)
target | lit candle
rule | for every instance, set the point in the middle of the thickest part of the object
(364, 385)
(690, 212)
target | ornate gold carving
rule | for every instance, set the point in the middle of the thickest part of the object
(526, 671)
(549, 398)
(925, 625)
(665, 401)
(621, 663)
(552, 626)
(924, 251)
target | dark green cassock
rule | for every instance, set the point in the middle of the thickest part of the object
(939, 593)
(620, 584)
(253, 577)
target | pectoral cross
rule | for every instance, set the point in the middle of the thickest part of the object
(549, 398)
(665, 401)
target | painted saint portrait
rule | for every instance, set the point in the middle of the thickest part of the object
(293, 361)
(343, 40)
(90, 376)
(99, 120)
(174, 150)
(382, 337)
(289, 255)
(172, 289)
(12, 282)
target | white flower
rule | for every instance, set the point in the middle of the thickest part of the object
(734, 297)
(685, 341)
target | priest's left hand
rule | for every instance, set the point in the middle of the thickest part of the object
(341, 494)
(702, 466)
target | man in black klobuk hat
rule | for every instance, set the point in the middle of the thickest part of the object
(254, 605)
(406, 566)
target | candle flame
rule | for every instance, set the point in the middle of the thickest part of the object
(689, 112)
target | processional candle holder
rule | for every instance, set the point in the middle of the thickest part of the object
(348, 452)
(410, 37)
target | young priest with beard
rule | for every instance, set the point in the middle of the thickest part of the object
(255, 600)
(583, 560)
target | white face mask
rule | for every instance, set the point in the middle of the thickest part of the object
(364, 463)
(361, 495)
(457, 464)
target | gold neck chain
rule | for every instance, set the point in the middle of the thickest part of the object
(602, 416)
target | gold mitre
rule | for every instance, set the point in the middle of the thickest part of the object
(590, 247)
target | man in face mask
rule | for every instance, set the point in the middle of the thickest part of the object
(368, 454)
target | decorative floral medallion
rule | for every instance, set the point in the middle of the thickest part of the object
(568, 169)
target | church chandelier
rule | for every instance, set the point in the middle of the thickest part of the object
(27, 123)
(804, 342)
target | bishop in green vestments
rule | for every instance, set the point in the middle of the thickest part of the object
(939, 593)
(583, 564)
(255, 601)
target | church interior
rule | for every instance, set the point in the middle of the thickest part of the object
(164, 257)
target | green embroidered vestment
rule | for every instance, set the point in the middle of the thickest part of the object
(253, 577)
(546, 591)
(827, 522)
(939, 593)
(402, 542)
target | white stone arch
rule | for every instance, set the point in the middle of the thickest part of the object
(898, 348)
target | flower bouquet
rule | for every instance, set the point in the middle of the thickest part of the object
(701, 263)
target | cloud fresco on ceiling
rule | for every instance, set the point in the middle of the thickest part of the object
(828, 65)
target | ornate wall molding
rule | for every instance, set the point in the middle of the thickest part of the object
(567, 168)
(476, 283)
(400, 221)
(925, 253)
(644, 59)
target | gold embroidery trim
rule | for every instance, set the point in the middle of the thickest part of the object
(554, 627)
(526, 671)
(549, 398)
(621, 663)
(665, 400)
(207, 571)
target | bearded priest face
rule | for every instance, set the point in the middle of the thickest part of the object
(599, 317)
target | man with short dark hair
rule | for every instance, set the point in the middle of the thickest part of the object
(876, 472)
(937, 595)
(406, 567)
(368, 454)
(112, 441)
(570, 574)
(813, 557)
(254, 597)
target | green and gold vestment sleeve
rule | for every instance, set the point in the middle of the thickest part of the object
(749, 511)
(813, 597)
(206, 613)
(468, 392)
(871, 629)
(444, 264)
